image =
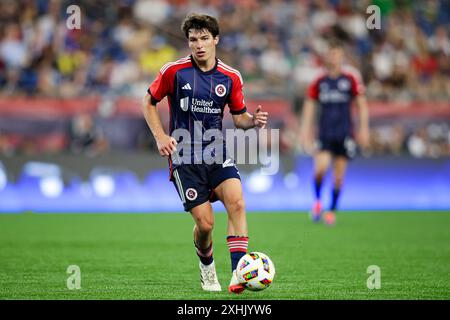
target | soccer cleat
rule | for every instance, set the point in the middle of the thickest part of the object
(316, 211)
(208, 277)
(330, 218)
(235, 286)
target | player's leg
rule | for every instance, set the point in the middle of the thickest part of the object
(226, 183)
(230, 193)
(194, 194)
(339, 169)
(322, 161)
(204, 223)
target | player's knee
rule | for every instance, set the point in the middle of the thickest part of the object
(320, 173)
(338, 182)
(205, 225)
(237, 206)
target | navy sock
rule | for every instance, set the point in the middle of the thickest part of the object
(238, 248)
(317, 186)
(205, 255)
(335, 198)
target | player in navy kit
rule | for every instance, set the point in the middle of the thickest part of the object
(334, 90)
(198, 88)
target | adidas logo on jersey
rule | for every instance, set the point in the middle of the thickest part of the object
(187, 86)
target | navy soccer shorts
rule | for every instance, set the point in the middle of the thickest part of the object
(339, 147)
(195, 183)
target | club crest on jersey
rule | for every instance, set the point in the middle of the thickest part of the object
(220, 90)
(191, 194)
(343, 85)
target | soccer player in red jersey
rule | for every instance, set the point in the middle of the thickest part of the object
(334, 90)
(198, 88)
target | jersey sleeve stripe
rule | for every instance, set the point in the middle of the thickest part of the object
(170, 64)
(229, 69)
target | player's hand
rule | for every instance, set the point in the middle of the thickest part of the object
(364, 138)
(260, 118)
(167, 145)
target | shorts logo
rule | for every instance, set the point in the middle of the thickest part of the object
(220, 90)
(228, 163)
(350, 147)
(191, 194)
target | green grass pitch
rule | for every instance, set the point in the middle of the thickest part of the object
(151, 256)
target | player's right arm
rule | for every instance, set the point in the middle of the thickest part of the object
(160, 88)
(306, 127)
(166, 144)
(307, 120)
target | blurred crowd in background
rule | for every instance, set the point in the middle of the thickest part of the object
(276, 44)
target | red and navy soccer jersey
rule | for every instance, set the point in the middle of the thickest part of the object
(197, 99)
(335, 96)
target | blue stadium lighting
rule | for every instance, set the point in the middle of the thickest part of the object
(3, 177)
(51, 186)
(291, 180)
(259, 183)
(103, 185)
(50, 182)
(41, 169)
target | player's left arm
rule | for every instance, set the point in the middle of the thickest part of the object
(363, 109)
(358, 92)
(241, 117)
(246, 120)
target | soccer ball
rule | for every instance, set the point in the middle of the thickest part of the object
(255, 270)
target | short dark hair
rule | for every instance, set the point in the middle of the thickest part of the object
(200, 22)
